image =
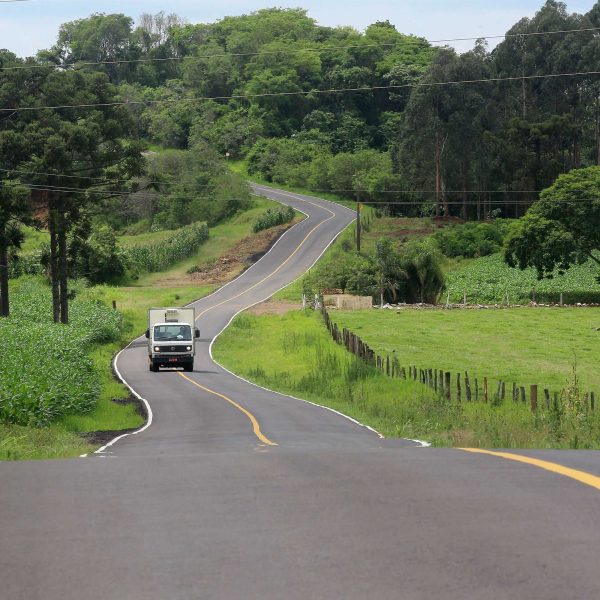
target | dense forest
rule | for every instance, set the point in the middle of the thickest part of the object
(133, 124)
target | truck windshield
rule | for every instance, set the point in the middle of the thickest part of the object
(170, 333)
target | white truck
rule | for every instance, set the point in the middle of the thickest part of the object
(171, 338)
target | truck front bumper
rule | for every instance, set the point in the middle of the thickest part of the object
(166, 360)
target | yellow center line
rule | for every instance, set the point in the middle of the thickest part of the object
(255, 425)
(581, 476)
(283, 263)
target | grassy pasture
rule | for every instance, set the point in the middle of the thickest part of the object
(525, 345)
(294, 354)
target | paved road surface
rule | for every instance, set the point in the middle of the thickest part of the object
(236, 492)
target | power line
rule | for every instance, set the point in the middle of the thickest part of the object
(407, 40)
(102, 180)
(346, 191)
(305, 92)
(425, 200)
(108, 193)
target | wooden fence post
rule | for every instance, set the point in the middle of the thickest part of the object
(523, 395)
(458, 392)
(476, 390)
(533, 393)
(447, 386)
(467, 387)
(547, 398)
(485, 390)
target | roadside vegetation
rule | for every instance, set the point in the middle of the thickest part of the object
(304, 361)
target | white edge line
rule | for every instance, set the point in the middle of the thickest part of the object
(115, 361)
(273, 391)
(143, 400)
(147, 404)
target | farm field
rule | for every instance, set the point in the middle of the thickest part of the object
(487, 280)
(523, 345)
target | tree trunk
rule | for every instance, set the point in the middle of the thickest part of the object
(524, 91)
(465, 177)
(62, 267)
(437, 175)
(4, 305)
(52, 225)
(597, 130)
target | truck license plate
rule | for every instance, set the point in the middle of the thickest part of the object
(172, 360)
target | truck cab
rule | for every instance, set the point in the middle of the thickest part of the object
(171, 338)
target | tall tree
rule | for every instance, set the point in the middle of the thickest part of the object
(68, 154)
(562, 228)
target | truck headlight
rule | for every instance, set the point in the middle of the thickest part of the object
(189, 348)
(156, 348)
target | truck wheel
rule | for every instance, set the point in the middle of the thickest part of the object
(153, 367)
(188, 367)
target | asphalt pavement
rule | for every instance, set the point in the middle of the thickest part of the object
(233, 491)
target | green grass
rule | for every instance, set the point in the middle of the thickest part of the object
(141, 239)
(222, 238)
(305, 362)
(522, 345)
(34, 238)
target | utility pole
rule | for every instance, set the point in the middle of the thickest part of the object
(358, 209)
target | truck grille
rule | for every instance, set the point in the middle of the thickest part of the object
(174, 348)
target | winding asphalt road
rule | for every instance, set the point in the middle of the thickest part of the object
(235, 492)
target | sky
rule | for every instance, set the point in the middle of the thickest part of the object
(32, 25)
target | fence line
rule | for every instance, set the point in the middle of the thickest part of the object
(441, 381)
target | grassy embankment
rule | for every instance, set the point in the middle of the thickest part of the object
(62, 438)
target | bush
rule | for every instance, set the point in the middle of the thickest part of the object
(473, 240)
(423, 279)
(272, 218)
(98, 258)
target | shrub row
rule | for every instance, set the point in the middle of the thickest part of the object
(272, 218)
(473, 239)
(44, 369)
(161, 255)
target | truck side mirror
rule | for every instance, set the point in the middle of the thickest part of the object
(147, 333)
(197, 333)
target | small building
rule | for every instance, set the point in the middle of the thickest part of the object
(347, 302)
